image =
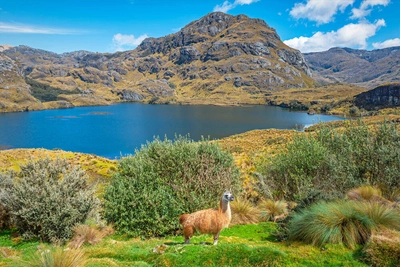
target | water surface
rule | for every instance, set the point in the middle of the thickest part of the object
(112, 131)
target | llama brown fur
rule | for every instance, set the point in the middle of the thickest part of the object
(209, 221)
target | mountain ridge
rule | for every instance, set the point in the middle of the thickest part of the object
(365, 68)
(218, 59)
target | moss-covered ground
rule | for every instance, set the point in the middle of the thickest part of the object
(240, 245)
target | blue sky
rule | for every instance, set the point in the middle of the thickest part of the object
(109, 26)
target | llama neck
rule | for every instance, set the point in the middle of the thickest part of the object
(224, 207)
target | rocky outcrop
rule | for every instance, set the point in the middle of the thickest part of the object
(384, 96)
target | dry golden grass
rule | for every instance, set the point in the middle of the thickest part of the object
(86, 234)
(367, 193)
(249, 147)
(13, 158)
(243, 212)
(8, 252)
(338, 96)
(99, 169)
(273, 210)
(56, 257)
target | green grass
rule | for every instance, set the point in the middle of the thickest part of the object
(240, 245)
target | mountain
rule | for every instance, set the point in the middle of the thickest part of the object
(365, 68)
(218, 59)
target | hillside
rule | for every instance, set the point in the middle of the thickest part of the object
(364, 68)
(218, 59)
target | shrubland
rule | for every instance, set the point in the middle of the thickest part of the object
(333, 161)
(332, 192)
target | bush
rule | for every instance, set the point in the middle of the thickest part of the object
(46, 93)
(5, 219)
(164, 180)
(347, 222)
(383, 249)
(47, 198)
(334, 161)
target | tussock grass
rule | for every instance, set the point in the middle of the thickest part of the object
(344, 222)
(87, 234)
(367, 193)
(270, 209)
(56, 257)
(243, 212)
(7, 252)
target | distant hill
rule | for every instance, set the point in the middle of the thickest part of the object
(365, 68)
(218, 59)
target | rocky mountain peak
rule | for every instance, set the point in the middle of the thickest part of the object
(217, 58)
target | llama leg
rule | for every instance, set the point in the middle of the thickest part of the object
(216, 238)
(188, 233)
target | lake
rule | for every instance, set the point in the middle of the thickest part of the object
(112, 131)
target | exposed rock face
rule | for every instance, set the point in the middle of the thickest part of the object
(233, 58)
(364, 68)
(384, 96)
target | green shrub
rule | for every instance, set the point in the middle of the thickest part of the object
(45, 92)
(383, 249)
(334, 161)
(165, 179)
(347, 222)
(47, 198)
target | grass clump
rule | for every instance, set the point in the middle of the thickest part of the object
(365, 193)
(56, 257)
(243, 212)
(273, 210)
(47, 198)
(165, 179)
(346, 222)
(88, 234)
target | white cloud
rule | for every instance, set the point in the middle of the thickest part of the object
(366, 8)
(321, 11)
(123, 42)
(350, 35)
(387, 43)
(226, 6)
(21, 28)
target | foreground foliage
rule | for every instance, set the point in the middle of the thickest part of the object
(334, 161)
(164, 180)
(47, 198)
(55, 257)
(241, 245)
(347, 222)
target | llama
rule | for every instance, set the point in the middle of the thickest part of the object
(209, 221)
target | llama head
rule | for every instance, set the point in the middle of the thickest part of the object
(227, 196)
